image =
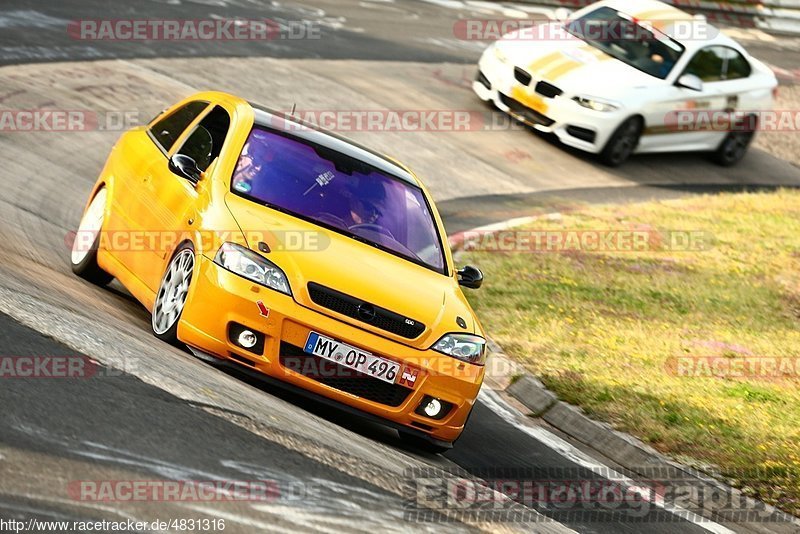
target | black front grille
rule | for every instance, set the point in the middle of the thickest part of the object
(525, 112)
(547, 89)
(342, 378)
(365, 312)
(522, 76)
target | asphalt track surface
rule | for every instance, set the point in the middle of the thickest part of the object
(169, 416)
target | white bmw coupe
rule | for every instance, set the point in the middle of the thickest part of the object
(630, 76)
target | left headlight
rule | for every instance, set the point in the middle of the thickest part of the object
(596, 104)
(465, 347)
(248, 264)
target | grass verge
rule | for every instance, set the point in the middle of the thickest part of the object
(693, 344)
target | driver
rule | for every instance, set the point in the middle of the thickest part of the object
(367, 203)
(255, 154)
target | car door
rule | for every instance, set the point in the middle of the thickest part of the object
(171, 198)
(140, 190)
(677, 116)
(128, 226)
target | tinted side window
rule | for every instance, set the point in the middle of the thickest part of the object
(205, 142)
(737, 66)
(707, 64)
(168, 129)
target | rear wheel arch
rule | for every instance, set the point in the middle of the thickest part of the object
(85, 264)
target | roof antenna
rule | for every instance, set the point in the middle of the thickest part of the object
(294, 106)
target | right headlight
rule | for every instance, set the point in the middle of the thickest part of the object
(500, 55)
(465, 347)
(248, 264)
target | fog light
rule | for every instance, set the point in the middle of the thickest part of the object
(433, 408)
(247, 339)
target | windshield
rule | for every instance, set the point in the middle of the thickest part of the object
(339, 192)
(623, 38)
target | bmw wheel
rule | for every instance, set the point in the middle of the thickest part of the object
(622, 143)
(735, 145)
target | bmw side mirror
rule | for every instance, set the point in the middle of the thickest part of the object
(690, 81)
(185, 167)
(471, 277)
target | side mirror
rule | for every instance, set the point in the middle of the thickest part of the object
(690, 81)
(185, 167)
(471, 277)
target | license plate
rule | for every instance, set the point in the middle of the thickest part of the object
(530, 100)
(536, 104)
(351, 357)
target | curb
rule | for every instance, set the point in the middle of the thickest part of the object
(506, 375)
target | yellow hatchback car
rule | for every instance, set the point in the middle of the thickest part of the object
(258, 239)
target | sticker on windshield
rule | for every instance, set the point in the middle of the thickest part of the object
(243, 187)
(321, 180)
(325, 178)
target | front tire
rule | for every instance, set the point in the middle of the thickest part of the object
(622, 143)
(83, 257)
(172, 292)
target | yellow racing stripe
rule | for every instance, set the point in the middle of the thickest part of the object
(544, 60)
(556, 72)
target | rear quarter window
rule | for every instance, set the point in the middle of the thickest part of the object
(738, 67)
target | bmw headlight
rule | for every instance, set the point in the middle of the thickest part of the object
(465, 347)
(248, 264)
(596, 104)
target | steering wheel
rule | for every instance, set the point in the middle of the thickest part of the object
(377, 228)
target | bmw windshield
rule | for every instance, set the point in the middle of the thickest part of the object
(627, 40)
(339, 192)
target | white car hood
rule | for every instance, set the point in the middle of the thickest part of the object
(551, 54)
